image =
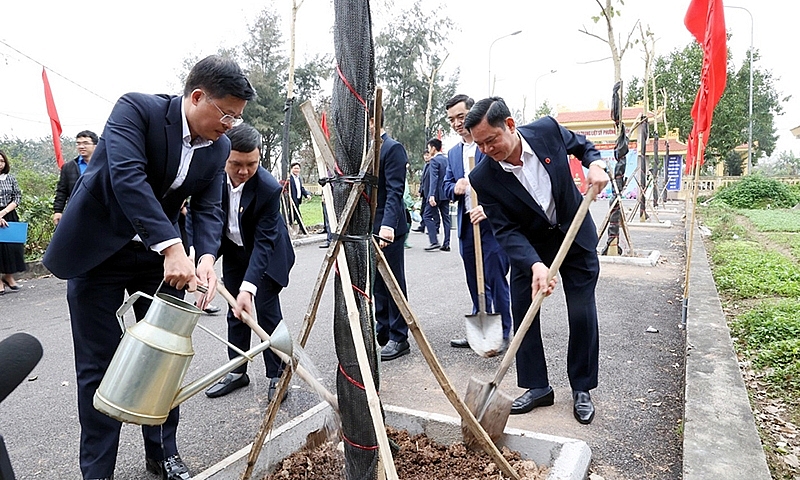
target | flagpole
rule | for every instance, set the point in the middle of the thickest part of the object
(690, 244)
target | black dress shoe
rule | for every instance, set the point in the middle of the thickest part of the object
(459, 343)
(273, 387)
(445, 248)
(212, 310)
(418, 230)
(172, 468)
(229, 383)
(583, 408)
(325, 245)
(394, 350)
(534, 397)
(432, 247)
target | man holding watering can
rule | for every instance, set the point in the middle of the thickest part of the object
(155, 151)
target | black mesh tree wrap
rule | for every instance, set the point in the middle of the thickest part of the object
(620, 155)
(352, 92)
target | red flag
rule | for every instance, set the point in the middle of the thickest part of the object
(324, 125)
(55, 123)
(705, 19)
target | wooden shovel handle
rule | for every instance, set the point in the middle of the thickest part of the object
(577, 221)
(476, 238)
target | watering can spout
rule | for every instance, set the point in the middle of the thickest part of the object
(279, 340)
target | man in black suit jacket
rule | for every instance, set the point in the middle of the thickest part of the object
(71, 171)
(391, 225)
(120, 234)
(530, 199)
(437, 200)
(424, 188)
(256, 251)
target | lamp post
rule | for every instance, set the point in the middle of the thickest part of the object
(491, 87)
(750, 127)
(536, 86)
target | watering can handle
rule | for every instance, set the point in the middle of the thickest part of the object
(127, 305)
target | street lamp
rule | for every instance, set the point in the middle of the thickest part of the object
(535, 87)
(750, 128)
(491, 87)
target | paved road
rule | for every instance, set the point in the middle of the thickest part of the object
(639, 400)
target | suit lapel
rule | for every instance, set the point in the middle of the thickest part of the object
(510, 182)
(174, 132)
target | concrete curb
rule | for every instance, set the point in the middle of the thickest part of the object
(720, 439)
(309, 239)
(664, 224)
(649, 261)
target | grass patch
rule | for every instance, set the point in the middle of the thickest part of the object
(744, 269)
(311, 211)
(774, 220)
(788, 240)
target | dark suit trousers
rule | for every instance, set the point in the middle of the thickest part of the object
(436, 215)
(390, 324)
(495, 268)
(423, 213)
(94, 298)
(579, 274)
(267, 303)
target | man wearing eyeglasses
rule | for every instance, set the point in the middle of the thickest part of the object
(155, 151)
(86, 142)
(457, 188)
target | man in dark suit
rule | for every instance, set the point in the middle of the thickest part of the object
(297, 192)
(391, 226)
(457, 188)
(86, 142)
(256, 251)
(530, 199)
(438, 204)
(120, 235)
(424, 188)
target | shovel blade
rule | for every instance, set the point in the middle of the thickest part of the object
(490, 406)
(485, 333)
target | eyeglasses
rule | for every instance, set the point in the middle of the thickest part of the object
(227, 119)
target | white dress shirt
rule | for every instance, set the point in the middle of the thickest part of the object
(234, 230)
(467, 150)
(535, 179)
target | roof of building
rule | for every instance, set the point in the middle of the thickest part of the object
(592, 116)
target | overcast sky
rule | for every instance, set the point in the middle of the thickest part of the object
(110, 48)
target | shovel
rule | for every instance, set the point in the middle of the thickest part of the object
(492, 411)
(484, 330)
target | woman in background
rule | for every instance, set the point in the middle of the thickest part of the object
(12, 255)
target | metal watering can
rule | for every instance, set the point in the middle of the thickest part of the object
(143, 381)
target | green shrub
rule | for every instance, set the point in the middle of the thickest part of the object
(758, 191)
(744, 269)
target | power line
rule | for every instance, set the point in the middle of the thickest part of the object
(60, 75)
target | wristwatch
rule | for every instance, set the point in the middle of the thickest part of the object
(600, 163)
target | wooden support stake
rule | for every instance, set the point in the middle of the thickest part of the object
(436, 368)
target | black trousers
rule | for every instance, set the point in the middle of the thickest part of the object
(267, 304)
(579, 273)
(390, 324)
(435, 215)
(93, 301)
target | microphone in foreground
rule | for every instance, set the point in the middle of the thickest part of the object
(19, 354)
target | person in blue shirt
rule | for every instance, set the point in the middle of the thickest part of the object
(86, 142)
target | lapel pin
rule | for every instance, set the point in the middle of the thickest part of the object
(241, 209)
(547, 160)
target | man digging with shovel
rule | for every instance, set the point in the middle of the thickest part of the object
(530, 200)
